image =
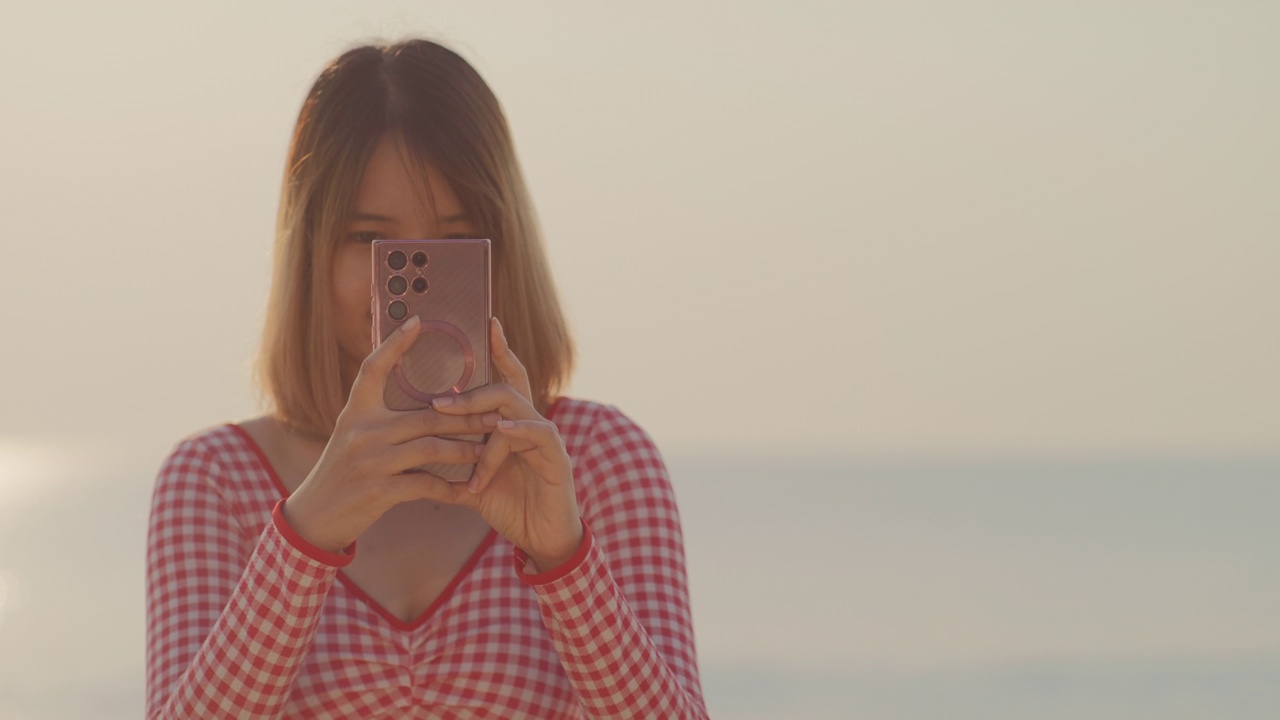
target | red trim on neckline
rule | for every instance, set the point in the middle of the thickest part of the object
(476, 555)
(473, 560)
(262, 458)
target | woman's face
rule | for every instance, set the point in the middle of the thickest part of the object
(389, 204)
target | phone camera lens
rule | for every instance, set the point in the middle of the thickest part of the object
(397, 284)
(396, 260)
(420, 285)
(419, 259)
(398, 310)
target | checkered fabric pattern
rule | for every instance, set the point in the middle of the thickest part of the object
(247, 620)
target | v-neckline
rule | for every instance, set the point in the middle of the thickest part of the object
(474, 559)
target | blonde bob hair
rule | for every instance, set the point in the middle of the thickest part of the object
(434, 103)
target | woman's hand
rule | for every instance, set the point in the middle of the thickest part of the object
(360, 474)
(523, 483)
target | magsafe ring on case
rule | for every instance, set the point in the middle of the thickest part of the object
(468, 363)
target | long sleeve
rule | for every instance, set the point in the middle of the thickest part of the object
(618, 612)
(229, 621)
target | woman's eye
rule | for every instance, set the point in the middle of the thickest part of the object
(365, 237)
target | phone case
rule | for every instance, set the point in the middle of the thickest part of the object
(446, 284)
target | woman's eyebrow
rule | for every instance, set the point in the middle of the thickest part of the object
(359, 215)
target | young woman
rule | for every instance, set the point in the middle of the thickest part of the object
(294, 570)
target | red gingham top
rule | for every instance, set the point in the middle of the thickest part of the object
(245, 619)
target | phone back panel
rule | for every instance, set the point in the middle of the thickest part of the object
(446, 284)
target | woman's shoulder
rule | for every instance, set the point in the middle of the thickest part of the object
(589, 419)
(616, 465)
(211, 442)
(599, 430)
(220, 455)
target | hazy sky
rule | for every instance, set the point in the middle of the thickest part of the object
(925, 227)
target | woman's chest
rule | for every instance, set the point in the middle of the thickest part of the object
(482, 651)
(412, 557)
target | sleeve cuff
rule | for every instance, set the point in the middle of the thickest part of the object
(339, 560)
(561, 570)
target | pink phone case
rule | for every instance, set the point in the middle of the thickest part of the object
(446, 284)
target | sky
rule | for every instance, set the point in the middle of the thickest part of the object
(924, 228)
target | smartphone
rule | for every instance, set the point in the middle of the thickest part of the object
(446, 284)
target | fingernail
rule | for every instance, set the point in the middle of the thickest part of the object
(443, 401)
(473, 485)
(411, 323)
(479, 450)
(507, 423)
(491, 419)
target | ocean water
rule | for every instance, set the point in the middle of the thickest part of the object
(827, 588)
(1090, 588)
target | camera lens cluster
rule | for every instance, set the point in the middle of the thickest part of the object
(397, 284)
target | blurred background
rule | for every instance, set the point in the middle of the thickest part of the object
(956, 321)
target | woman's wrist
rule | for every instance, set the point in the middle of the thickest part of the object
(545, 561)
(340, 558)
(300, 519)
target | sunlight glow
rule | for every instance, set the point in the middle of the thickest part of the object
(30, 468)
